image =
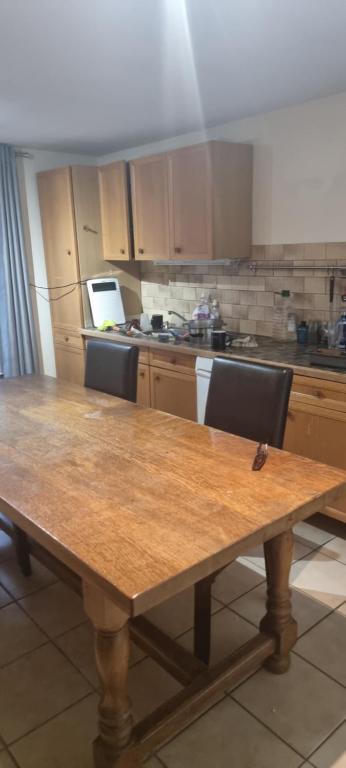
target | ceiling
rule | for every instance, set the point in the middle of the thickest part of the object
(96, 76)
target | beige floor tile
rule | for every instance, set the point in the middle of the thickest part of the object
(151, 763)
(228, 736)
(56, 609)
(6, 761)
(6, 547)
(320, 577)
(256, 556)
(175, 616)
(311, 535)
(64, 742)
(78, 645)
(302, 707)
(235, 580)
(18, 585)
(38, 686)
(335, 548)
(325, 646)
(332, 754)
(305, 610)
(228, 632)
(18, 634)
(149, 686)
(5, 598)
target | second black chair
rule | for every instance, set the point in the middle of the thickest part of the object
(248, 399)
(112, 368)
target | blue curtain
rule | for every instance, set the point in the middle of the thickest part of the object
(18, 353)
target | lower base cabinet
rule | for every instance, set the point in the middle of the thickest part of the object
(173, 392)
(69, 363)
(316, 426)
(143, 386)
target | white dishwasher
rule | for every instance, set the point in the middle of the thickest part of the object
(203, 373)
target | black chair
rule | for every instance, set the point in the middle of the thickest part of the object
(248, 399)
(112, 368)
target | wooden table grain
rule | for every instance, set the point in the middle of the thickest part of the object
(141, 504)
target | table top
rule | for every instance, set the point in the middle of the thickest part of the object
(136, 501)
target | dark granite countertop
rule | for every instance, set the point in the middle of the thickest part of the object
(268, 349)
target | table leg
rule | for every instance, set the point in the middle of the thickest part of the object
(278, 620)
(112, 656)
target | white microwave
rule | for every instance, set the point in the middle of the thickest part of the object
(105, 300)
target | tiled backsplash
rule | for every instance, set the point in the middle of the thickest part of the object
(247, 298)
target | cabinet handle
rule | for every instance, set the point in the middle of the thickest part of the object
(66, 338)
(140, 250)
(156, 378)
(173, 361)
(90, 229)
(141, 373)
(290, 415)
(320, 394)
(177, 249)
(68, 252)
(122, 250)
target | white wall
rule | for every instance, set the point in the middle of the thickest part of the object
(42, 160)
(299, 169)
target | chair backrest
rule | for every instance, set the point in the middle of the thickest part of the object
(249, 399)
(112, 368)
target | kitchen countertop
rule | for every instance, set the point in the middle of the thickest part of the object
(268, 350)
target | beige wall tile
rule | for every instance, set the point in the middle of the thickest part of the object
(315, 284)
(336, 252)
(264, 328)
(256, 313)
(265, 298)
(248, 297)
(315, 251)
(247, 326)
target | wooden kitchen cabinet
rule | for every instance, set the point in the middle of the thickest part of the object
(316, 425)
(70, 363)
(143, 385)
(115, 214)
(150, 207)
(193, 203)
(71, 225)
(173, 392)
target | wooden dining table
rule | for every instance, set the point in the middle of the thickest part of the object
(139, 505)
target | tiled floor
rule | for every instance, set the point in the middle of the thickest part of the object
(48, 680)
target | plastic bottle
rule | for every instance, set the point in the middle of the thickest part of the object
(303, 332)
(284, 325)
(202, 311)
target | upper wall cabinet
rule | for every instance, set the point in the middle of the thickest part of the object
(191, 204)
(194, 203)
(150, 207)
(115, 217)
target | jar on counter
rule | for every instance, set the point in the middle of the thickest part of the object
(284, 325)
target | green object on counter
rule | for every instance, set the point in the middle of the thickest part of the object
(106, 325)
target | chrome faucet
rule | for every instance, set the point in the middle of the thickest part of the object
(171, 312)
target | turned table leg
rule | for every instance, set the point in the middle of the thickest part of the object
(278, 620)
(112, 655)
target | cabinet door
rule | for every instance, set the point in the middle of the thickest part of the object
(150, 205)
(173, 392)
(191, 223)
(58, 226)
(69, 363)
(115, 211)
(143, 385)
(319, 434)
(88, 218)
